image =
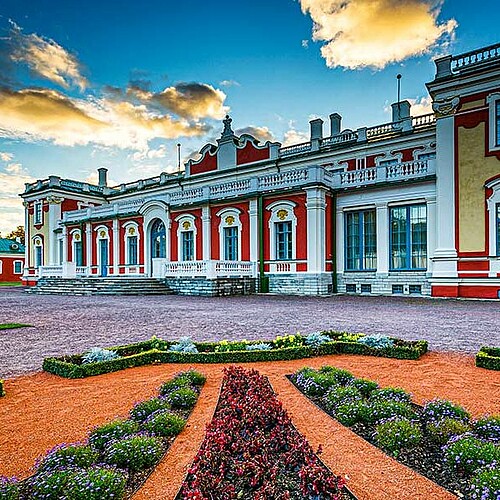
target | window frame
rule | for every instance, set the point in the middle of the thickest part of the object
(282, 211)
(186, 223)
(408, 237)
(229, 218)
(362, 238)
(20, 262)
(187, 246)
(493, 101)
(287, 244)
(38, 213)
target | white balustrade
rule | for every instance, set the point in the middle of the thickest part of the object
(210, 268)
(474, 58)
(295, 149)
(344, 137)
(283, 179)
(50, 271)
(423, 120)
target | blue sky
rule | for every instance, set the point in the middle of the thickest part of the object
(118, 84)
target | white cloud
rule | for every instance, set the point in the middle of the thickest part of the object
(229, 83)
(47, 59)
(421, 106)
(148, 154)
(305, 44)
(374, 33)
(293, 136)
(6, 156)
(263, 134)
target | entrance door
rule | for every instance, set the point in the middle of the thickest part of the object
(103, 257)
(158, 244)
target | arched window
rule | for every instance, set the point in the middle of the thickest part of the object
(282, 230)
(38, 251)
(229, 234)
(103, 250)
(131, 244)
(76, 238)
(158, 239)
(186, 237)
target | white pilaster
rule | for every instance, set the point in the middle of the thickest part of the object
(206, 232)
(65, 245)
(53, 216)
(88, 246)
(254, 230)
(445, 255)
(116, 246)
(316, 240)
(339, 243)
(431, 233)
(383, 256)
(27, 238)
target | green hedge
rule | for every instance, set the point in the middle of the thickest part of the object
(156, 351)
(488, 357)
(2, 389)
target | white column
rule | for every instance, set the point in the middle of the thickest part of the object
(116, 246)
(382, 239)
(316, 240)
(445, 255)
(65, 244)
(88, 246)
(27, 239)
(206, 232)
(53, 217)
(431, 233)
(254, 230)
(339, 243)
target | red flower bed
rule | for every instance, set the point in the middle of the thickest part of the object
(251, 449)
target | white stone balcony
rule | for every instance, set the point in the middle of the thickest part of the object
(209, 269)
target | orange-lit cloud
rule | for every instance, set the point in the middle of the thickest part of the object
(263, 134)
(293, 136)
(42, 114)
(374, 33)
(47, 59)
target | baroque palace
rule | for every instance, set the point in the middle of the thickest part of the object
(407, 207)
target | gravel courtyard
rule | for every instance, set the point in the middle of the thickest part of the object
(68, 324)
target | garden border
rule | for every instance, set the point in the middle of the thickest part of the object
(489, 358)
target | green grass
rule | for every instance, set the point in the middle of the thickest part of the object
(8, 326)
(11, 283)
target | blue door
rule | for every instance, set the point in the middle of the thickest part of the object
(103, 257)
(158, 240)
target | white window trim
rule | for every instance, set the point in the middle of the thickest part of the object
(98, 231)
(274, 208)
(126, 236)
(37, 243)
(491, 203)
(491, 100)
(14, 267)
(37, 221)
(224, 214)
(1, 266)
(181, 220)
(73, 241)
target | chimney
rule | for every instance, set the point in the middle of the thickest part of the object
(316, 129)
(400, 111)
(103, 177)
(335, 123)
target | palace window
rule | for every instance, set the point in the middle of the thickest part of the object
(498, 228)
(497, 122)
(230, 243)
(187, 245)
(38, 212)
(18, 267)
(360, 240)
(38, 250)
(408, 237)
(132, 250)
(230, 234)
(131, 244)
(282, 228)
(283, 241)
(493, 101)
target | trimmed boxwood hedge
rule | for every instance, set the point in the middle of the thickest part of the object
(488, 357)
(156, 351)
(2, 390)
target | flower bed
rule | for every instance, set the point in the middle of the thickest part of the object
(439, 440)
(488, 357)
(118, 456)
(281, 349)
(252, 450)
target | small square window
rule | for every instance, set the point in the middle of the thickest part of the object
(350, 288)
(366, 288)
(415, 289)
(18, 267)
(397, 289)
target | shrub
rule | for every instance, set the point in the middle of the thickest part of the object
(142, 410)
(489, 358)
(315, 339)
(485, 485)
(376, 341)
(259, 347)
(340, 376)
(196, 378)
(396, 434)
(173, 385)
(438, 409)
(288, 341)
(134, 453)
(365, 386)
(48, 485)
(307, 384)
(488, 428)
(64, 455)
(9, 488)
(341, 395)
(2, 388)
(182, 399)
(226, 346)
(380, 410)
(97, 354)
(391, 394)
(164, 423)
(185, 344)
(97, 483)
(117, 429)
(466, 454)
(351, 413)
(443, 430)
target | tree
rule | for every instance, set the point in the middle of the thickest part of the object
(17, 233)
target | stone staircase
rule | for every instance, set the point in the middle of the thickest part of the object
(100, 286)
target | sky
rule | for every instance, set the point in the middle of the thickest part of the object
(118, 84)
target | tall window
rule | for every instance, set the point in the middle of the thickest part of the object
(78, 249)
(38, 253)
(408, 237)
(187, 243)
(360, 240)
(158, 239)
(18, 267)
(498, 228)
(132, 250)
(283, 232)
(497, 122)
(38, 212)
(231, 243)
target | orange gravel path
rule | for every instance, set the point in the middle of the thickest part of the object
(43, 410)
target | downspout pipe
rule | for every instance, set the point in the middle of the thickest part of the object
(263, 279)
